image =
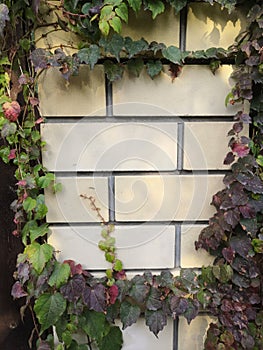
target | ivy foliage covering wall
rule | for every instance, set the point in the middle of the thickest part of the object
(64, 295)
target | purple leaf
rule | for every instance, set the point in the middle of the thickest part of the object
(155, 320)
(43, 346)
(129, 314)
(228, 254)
(229, 158)
(23, 272)
(247, 212)
(74, 288)
(97, 298)
(35, 5)
(39, 58)
(192, 310)
(237, 127)
(18, 291)
(232, 217)
(178, 305)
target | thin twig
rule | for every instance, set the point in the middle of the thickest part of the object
(94, 207)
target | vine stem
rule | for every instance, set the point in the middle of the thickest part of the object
(34, 321)
(94, 207)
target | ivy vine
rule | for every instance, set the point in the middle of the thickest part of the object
(66, 296)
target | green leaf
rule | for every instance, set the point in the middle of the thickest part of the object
(112, 341)
(122, 12)
(129, 314)
(40, 211)
(199, 54)
(178, 5)
(8, 129)
(35, 135)
(257, 245)
(94, 324)
(113, 71)
(135, 66)
(154, 68)
(106, 13)
(85, 8)
(134, 47)
(139, 289)
(29, 204)
(67, 338)
(118, 265)
(259, 160)
(25, 44)
(156, 7)
(155, 320)
(59, 275)
(211, 52)
(44, 181)
(38, 231)
(154, 300)
(173, 54)
(39, 255)
(4, 153)
(135, 5)
(115, 45)
(89, 55)
(113, 2)
(115, 23)
(223, 273)
(104, 27)
(49, 308)
(57, 187)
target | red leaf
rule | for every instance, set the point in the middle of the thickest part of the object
(34, 101)
(113, 291)
(21, 183)
(12, 154)
(240, 149)
(74, 269)
(39, 121)
(11, 110)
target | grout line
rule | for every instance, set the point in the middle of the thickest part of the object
(183, 26)
(180, 146)
(138, 119)
(177, 262)
(111, 186)
(109, 98)
(175, 333)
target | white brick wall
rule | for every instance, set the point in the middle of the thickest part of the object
(152, 166)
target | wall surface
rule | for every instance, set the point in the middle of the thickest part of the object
(152, 160)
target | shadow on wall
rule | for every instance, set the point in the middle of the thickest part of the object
(13, 333)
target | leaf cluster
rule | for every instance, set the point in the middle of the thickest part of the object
(63, 294)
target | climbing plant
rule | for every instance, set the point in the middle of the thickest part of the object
(81, 307)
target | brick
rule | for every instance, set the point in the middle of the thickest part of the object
(193, 336)
(191, 258)
(196, 92)
(137, 246)
(206, 144)
(107, 146)
(165, 197)
(67, 206)
(210, 26)
(163, 29)
(83, 96)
